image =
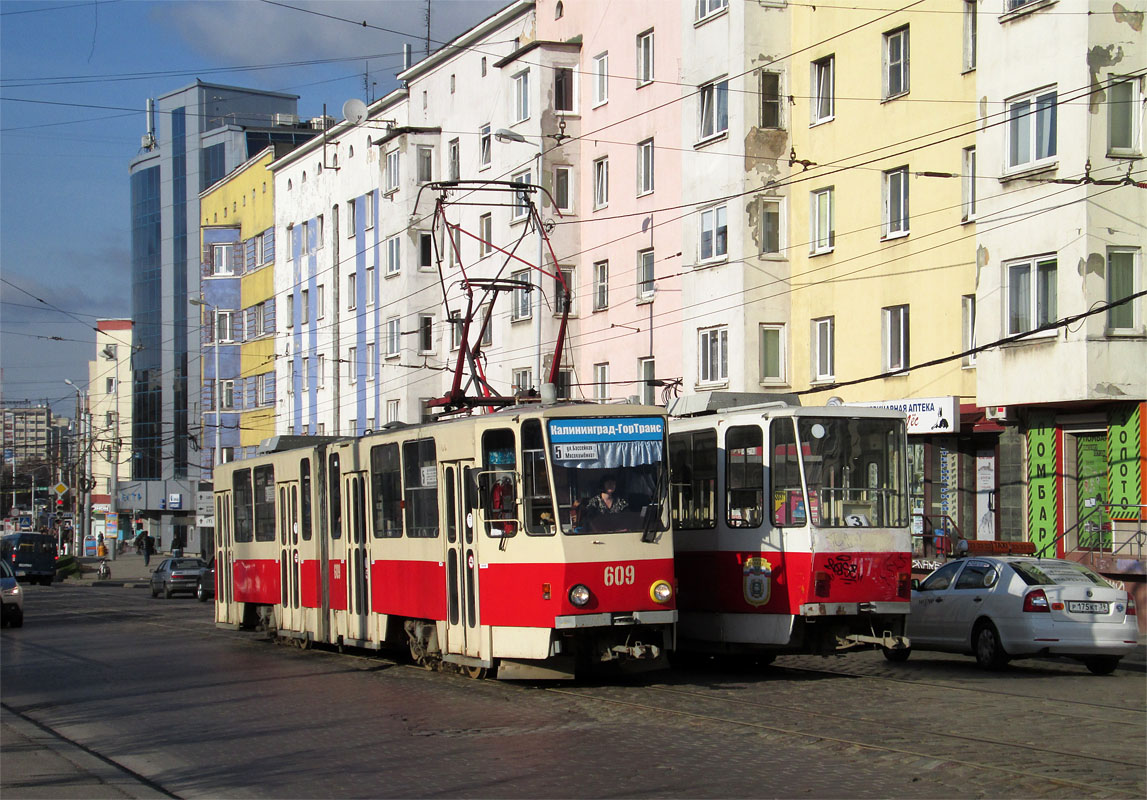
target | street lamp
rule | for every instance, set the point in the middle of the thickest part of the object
(215, 460)
(84, 420)
(506, 135)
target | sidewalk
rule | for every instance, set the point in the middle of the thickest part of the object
(40, 764)
(128, 570)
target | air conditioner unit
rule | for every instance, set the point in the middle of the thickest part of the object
(147, 141)
(998, 413)
(285, 119)
(322, 123)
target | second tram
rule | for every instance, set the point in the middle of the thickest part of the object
(791, 525)
(530, 542)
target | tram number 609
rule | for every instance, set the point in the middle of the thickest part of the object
(619, 575)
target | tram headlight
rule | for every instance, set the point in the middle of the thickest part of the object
(661, 592)
(579, 595)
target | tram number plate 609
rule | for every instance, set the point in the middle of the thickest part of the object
(621, 575)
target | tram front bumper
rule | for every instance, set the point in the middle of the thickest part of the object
(610, 619)
(853, 609)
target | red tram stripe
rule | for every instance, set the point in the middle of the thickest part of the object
(257, 581)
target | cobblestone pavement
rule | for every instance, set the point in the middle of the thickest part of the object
(155, 691)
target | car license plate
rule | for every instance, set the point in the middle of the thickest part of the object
(1080, 607)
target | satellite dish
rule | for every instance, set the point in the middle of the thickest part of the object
(354, 110)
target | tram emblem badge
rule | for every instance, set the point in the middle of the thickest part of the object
(758, 584)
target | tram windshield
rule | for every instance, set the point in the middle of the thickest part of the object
(609, 474)
(855, 471)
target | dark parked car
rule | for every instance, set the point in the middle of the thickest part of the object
(206, 586)
(176, 575)
(32, 556)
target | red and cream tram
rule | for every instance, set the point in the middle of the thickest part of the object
(471, 541)
(790, 524)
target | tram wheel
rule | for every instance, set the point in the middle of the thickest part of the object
(477, 673)
(304, 643)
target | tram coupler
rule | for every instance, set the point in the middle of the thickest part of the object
(887, 640)
(637, 651)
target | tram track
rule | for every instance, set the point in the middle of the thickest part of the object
(962, 754)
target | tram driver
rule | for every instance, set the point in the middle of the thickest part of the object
(606, 502)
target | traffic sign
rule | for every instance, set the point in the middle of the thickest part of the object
(60, 489)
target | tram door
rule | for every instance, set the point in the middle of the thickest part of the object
(224, 554)
(335, 585)
(459, 503)
(291, 617)
(357, 555)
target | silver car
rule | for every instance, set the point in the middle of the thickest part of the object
(176, 575)
(1002, 607)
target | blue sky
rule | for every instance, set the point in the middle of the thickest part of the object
(74, 80)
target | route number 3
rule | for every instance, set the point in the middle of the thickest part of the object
(619, 576)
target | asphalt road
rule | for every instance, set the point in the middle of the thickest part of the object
(161, 703)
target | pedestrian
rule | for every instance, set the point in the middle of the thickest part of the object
(148, 548)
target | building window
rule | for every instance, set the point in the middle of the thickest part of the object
(222, 259)
(227, 394)
(714, 233)
(522, 308)
(645, 275)
(485, 147)
(306, 374)
(645, 167)
(601, 381)
(970, 35)
(455, 250)
(969, 184)
(968, 319)
(425, 333)
(290, 310)
(306, 243)
(425, 164)
(260, 249)
(393, 337)
(394, 255)
(647, 369)
(563, 188)
(823, 90)
(351, 291)
(371, 361)
(368, 210)
(601, 79)
(1123, 104)
(320, 301)
(224, 326)
(713, 355)
(1122, 274)
(564, 290)
(352, 364)
(894, 325)
(321, 371)
(109, 386)
(1031, 307)
(772, 105)
(822, 236)
(351, 214)
(823, 347)
(522, 380)
(896, 202)
(522, 96)
(645, 58)
(706, 8)
(371, 286)
(714, 109)
(772, 353)
(392, 414)
(563, 89)
(601, 183)
(454, 151)
(486, 234)
(601, 286)
(770, 221)
(521, 199)
(896, 63)
(392, 171)
(1031, 124)
(425, 250)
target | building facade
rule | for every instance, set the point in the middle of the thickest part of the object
(109, 400)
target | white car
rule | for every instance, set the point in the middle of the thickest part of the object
(12, 596)
(1003, 607)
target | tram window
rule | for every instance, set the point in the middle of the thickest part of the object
(334, 479)
(241, 478)
(693, 479)
(451, 507)
(536, 496)
(264, 503)
(305, 472)
(785, 474)
(386, 491)
(498, 482)
(744, 477)
(283, 523)
(420, 470)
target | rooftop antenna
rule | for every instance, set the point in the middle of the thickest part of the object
(428, 28)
